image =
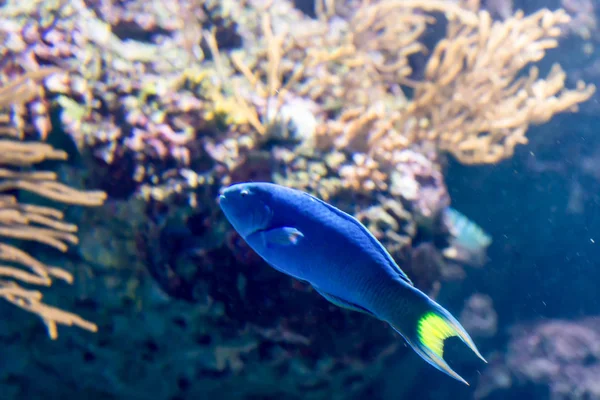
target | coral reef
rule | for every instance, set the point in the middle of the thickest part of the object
(479, 317)
(556, 357)
(168, 102)
(208, 106)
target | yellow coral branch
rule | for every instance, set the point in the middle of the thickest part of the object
(32, 222)
(472, 102)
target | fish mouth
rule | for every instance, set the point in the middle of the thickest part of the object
(232, 214)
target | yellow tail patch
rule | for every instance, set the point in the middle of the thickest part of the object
(432, 330)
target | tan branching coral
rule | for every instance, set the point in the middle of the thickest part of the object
(473, 101)
(277, 71)
(30, 222)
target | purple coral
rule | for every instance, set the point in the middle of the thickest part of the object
(557, 356)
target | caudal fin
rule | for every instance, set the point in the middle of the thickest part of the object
(433, 327)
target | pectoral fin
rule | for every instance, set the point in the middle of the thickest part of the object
(284, 236)
(343, 303)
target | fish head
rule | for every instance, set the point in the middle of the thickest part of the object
(247, 207)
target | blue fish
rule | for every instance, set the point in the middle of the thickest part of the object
(308, 239)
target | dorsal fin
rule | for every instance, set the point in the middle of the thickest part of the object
(372, 238)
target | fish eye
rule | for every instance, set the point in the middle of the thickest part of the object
(244, 193)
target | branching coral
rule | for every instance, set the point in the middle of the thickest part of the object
(473, 101)
(31, 222)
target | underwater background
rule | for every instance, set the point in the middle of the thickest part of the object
(461, 133)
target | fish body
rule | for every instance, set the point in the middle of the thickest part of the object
(304, 237)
